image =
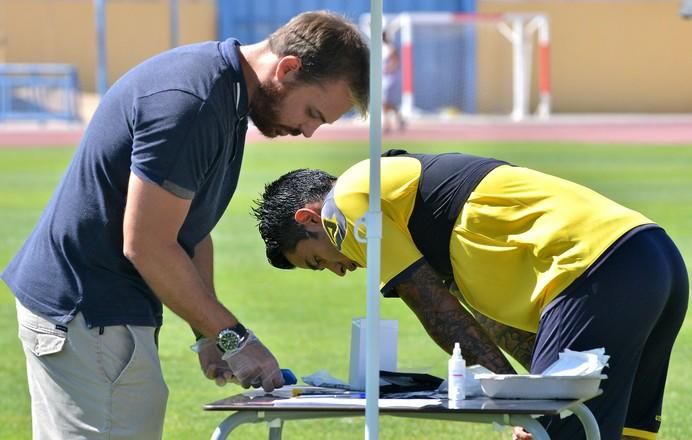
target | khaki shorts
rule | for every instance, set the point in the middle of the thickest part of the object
(92, 383)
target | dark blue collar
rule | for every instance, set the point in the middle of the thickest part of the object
(230, 50)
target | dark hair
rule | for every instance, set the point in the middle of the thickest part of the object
(330, 49)
(275, 211)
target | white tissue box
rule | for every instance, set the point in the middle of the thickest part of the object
(388, 347)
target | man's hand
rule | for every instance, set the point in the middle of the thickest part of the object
(254, 365)
(213, 367)
(519, 433)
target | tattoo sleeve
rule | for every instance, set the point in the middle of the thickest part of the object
(447, 321)
(517, 343)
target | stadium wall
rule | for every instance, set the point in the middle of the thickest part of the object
(606, 56)
(612, 56)
(64, 31)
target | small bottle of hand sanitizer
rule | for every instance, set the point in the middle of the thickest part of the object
(457, 375)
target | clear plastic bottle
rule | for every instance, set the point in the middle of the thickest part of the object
(457, 375)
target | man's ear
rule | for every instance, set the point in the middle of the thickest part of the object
(286, 68)
(309, 218)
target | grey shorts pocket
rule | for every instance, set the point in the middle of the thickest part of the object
(116, 351)
(42, 342)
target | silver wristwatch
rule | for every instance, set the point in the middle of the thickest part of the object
(230, 338)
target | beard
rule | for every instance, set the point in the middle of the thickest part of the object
(264, 110)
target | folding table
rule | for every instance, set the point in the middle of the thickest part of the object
(508, 412)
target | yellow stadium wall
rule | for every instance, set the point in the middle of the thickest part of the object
(610, 56)
(64, 31)
(606, 56)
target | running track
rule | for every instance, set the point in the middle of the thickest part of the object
(624, 129)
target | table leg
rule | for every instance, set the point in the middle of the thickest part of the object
(275, 428)
(233, 421)
(274, 420)
(587, 420)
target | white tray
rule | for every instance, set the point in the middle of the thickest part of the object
(535, 386)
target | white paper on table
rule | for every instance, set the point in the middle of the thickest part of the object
(291, 391)
(323, 378)
(578, 363)
(349, 401)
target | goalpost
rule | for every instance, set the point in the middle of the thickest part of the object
(457, 63)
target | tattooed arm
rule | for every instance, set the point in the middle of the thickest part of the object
(446, 320)
(517, 343)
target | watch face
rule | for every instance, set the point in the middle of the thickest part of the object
(228, 340)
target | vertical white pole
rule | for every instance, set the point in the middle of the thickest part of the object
(101, 57)
(518, 73)
(374, 229)
(174, 22)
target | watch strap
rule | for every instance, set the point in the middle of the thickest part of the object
(240, 330)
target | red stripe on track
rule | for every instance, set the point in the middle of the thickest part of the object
(635, 130)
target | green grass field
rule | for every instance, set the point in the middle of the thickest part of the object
(304, 317)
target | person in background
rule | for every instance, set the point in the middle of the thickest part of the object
(497, 256)
(391, 86)
(128, 228)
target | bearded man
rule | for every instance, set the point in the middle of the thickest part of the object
(128, 228)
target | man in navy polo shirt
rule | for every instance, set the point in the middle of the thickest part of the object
(129, 226)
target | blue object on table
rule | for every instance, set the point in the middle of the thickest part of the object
(289, 377)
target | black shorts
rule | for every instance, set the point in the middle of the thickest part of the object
(632, 302)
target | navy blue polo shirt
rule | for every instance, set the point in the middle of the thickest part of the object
(177, 120)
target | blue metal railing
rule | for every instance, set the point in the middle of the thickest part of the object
(40, 92)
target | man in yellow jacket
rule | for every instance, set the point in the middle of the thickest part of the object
(539, 263)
